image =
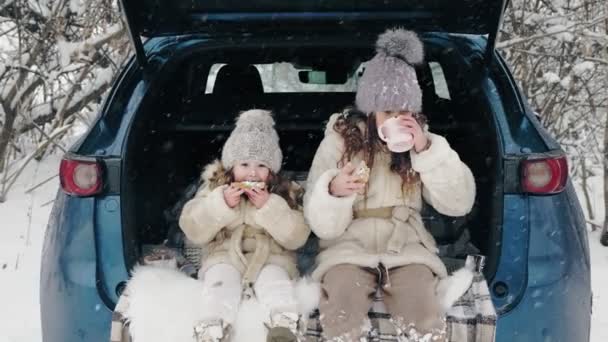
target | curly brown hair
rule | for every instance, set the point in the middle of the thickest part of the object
(360, 134)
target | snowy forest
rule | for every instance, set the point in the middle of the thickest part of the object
(57, 62)
(58, 59)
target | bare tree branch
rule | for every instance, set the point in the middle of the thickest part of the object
(509, 43)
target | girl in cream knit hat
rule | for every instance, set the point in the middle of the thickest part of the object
(250, 223)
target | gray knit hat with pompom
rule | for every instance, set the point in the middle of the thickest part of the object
(253, 138)
(389, 82)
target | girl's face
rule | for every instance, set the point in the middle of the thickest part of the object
(250, 170)
(383, 116)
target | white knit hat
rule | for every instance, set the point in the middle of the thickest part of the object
(389, 82)
(253, 138)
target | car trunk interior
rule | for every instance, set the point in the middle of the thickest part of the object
(180, 128)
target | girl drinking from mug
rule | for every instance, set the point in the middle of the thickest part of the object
(365, 189)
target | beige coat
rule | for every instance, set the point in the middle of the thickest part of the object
(446, 183)
(244, 236)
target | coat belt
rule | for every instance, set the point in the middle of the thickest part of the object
(382, 212)
(249, 267)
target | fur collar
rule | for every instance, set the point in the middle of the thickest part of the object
(214, 174)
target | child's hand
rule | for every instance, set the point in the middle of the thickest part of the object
(413, 127)
(346, 182)
(258, 197)
(232, 196)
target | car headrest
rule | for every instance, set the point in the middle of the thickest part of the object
(235, 79)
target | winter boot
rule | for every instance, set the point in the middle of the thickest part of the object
(411, 334)
(284, 328)
(281, 334)
(211, 331)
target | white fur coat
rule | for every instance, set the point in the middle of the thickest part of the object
(207, 220)
(446, 183)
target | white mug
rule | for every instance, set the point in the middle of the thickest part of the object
(397, 138)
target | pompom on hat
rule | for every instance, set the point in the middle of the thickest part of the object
(389, 82)
(253, 138)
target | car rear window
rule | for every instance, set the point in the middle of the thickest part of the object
(283, 78)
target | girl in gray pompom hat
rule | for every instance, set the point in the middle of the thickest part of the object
(251, 225)
(365, 189)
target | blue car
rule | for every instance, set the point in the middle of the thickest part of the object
(174, 103)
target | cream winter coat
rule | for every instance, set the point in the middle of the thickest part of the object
(244, 236)
(446, 183)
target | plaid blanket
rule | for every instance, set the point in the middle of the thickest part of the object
(471, 319)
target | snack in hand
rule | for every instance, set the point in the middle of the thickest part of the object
(247, 185)
(362, 172)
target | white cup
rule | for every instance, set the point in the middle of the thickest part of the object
(397, 138)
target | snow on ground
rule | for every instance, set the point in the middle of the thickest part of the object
(599, 259)
(23, 220)
(599, 280)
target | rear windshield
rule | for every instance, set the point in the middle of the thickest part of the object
(285, 78)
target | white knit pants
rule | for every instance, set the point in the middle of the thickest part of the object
(274, 290)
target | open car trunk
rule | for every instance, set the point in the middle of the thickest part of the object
(186, 118)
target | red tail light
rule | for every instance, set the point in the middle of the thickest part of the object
(80, 178)
(544, 176)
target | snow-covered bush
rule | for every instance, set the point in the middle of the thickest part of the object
(57, 60)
